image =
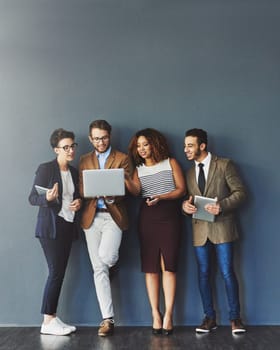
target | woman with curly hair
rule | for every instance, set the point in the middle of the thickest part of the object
(160, 181)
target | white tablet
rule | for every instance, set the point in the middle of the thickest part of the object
(103, 182)
(201, 213)
(41, 190)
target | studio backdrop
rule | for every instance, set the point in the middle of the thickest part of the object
(167, 64)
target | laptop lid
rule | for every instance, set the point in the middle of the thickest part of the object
(103, 182)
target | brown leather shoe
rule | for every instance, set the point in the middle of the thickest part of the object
(206, 326)
(237, 326)
(106, 328)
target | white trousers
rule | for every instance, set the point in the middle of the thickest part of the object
(103, 242)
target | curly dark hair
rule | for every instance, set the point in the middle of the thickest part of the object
(159, 146)
(60, 134)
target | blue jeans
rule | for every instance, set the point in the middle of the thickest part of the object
(224, 254)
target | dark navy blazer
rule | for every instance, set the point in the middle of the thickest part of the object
(47, 175)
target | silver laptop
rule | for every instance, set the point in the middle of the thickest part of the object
(103, 182)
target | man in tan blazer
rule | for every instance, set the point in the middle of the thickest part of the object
(103, 219)
(217, 179)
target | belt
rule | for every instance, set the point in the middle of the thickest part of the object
(102, 210)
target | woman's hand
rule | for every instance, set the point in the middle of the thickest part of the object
(75, 205)
(152, 200)
(52, 194)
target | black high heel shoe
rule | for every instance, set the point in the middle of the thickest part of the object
(157, 331)
(167, 331)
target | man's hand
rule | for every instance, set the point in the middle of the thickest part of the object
(188, 207)
(109, 199)
(214, 209)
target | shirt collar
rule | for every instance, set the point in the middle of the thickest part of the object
(206, 160)
(104, 154)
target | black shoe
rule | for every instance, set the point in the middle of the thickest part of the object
(207, 325)
(167, 331)
(157, 331)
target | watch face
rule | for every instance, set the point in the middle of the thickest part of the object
(109, 200)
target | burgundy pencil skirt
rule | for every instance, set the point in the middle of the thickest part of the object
(159, 229)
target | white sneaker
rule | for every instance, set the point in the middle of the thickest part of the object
(55, 328)
(73, 328)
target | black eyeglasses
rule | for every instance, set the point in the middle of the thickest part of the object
(67, 148)
(98, 139)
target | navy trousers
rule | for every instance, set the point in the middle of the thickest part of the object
(57, 253)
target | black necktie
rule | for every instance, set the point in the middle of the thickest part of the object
(201, 178)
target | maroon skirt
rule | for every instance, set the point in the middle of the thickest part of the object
(160, 228)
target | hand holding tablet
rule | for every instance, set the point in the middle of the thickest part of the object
(201, 213)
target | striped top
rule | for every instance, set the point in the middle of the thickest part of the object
(156, 179)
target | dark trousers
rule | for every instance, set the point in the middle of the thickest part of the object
(57, 252)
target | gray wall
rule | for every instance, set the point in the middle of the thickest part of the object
(171, 65)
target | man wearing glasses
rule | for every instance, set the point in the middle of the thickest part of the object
(103, 219)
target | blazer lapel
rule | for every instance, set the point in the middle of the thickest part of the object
(212, 169)
(57, 178)
(94, 161)
(110, 160)
(192, 179)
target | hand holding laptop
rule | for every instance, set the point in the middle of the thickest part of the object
(109, 199)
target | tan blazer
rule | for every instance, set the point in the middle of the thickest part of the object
(117, 210)
(224, 183)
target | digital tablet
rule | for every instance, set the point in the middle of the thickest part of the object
(103, 182)
(201, 213)
(40, 189)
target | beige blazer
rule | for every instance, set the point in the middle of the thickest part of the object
(117, 210)
(224, 183)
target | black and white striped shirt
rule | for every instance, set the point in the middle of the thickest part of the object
(156, 179)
